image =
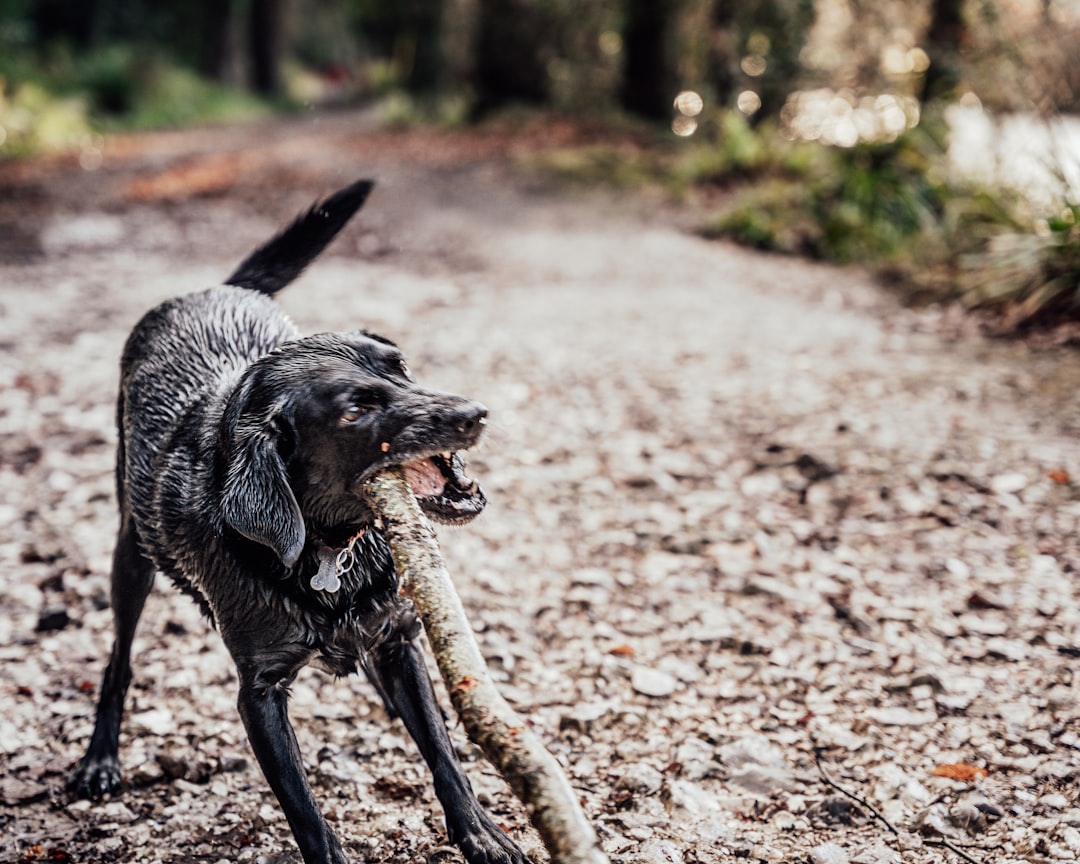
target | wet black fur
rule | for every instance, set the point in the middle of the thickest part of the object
(241, 450)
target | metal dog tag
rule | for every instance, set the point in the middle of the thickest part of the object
(327, 579)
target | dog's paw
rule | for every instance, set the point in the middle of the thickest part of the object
(484, 842)
(95, 777)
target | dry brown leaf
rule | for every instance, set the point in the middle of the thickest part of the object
(960, 771)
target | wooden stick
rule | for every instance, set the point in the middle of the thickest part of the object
(490, 722)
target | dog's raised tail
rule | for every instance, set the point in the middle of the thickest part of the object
(278, 262)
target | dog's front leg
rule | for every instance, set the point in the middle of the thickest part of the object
(399, 666)
(264, 710)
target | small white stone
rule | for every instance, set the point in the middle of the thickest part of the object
(156, 721)
(984, 623)
(689, 800)
(828, 853)
(958, 568)
(1071, 838)
(901, 716)
(652, 682)
(877, 854)
(1010, 483)
(641, 779)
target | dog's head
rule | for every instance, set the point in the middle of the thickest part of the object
(310, 422)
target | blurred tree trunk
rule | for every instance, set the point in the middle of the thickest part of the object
(648, 78)
(215, 53)
(781, 27)
(944, 38)
(266, 46)
(424, 26)
(723, 51)
(510, 65)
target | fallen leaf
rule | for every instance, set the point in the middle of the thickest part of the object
(622, 651)
(960, 771)
(1061, 478)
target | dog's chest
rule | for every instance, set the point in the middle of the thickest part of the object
(363, 610)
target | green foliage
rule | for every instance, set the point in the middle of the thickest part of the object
(872, 203)
(1036, 273)
(725, 149)
(622, 165)
(130, 87)
(166, 95)
(398, 109)
(111, 79)
(54, 102)
(891, 207)
(32, 119)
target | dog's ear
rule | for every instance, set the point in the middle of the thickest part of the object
(258, 501)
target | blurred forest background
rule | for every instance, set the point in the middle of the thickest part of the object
(932, 140)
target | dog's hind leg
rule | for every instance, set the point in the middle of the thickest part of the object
(132, 578)
(400, 667)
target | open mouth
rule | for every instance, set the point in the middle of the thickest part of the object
(442, 488)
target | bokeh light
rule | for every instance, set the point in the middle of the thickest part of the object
(970, 100)
(684, 126)
(748, 102)
(753, 65)
(898, 60)
(610, 43)
(843, 119)
(758, 43)
(689, 103)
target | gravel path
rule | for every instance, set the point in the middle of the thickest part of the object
(757, 537)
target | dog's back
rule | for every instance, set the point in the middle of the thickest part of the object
(178, 365)
(187, 354)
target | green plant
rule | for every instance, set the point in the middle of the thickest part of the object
(170, 95)
(112, 79)
(1035, 273)
(869, 203)
(55, 98)
(32, 119)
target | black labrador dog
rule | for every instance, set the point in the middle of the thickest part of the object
(242, 450)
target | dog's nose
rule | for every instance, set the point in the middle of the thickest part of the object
(471, 418)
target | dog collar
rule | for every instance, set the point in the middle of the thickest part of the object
(334, 563)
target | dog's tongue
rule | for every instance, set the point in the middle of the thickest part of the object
(425, 479)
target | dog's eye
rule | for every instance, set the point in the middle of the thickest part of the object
(352, 414)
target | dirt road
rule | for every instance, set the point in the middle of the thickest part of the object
(744, 512)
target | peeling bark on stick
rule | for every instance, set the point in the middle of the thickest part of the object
(490, 722)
